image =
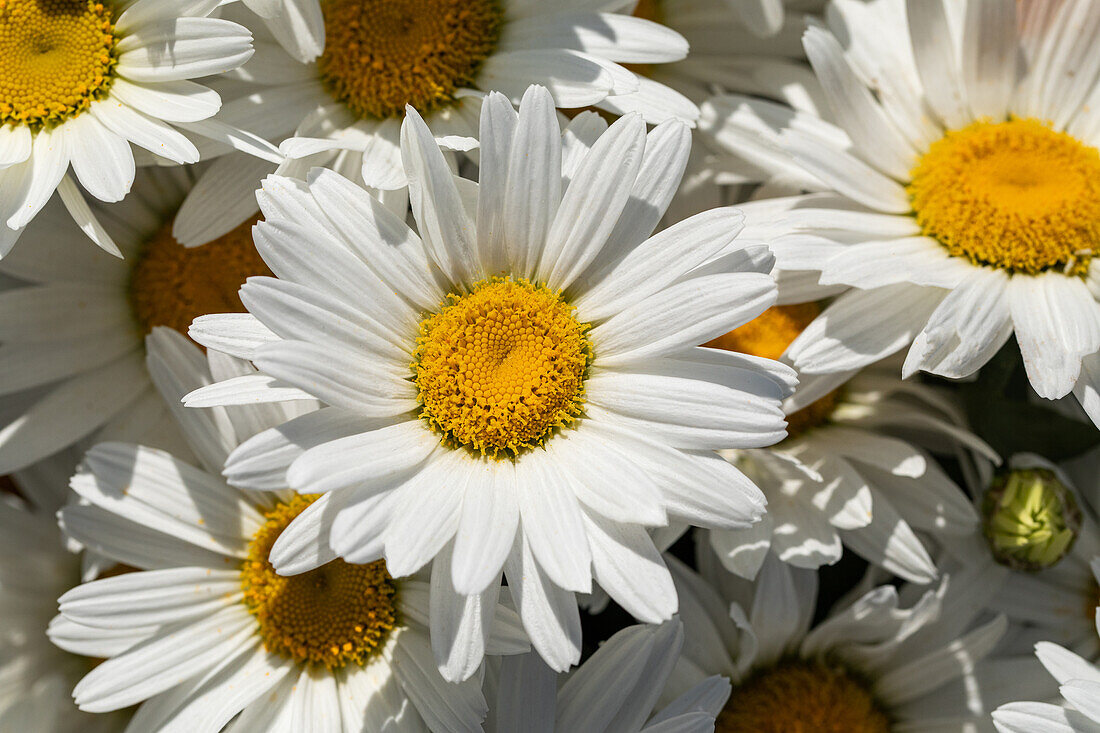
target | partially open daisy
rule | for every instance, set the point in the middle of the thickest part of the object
(35, 568)
(967, 163)
(517, 384)
(73, 319)
(1040, 547)
(1079, 712)
(80, 80)
(615, 689)
(852, 470)
(341, 648)
(440, 57)
(883, 661)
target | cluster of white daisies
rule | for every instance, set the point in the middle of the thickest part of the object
(427, 341)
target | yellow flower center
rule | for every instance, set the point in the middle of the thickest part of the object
(171, 285)
(56, 58)
(499, 368)
(334, 615)
(383, 54)
(802, 697)
(1015, 195)
(769, 335)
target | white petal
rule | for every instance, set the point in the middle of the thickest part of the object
(989, 57)
(593, 202)
(487, 527)
(549, 613)
(574, 79)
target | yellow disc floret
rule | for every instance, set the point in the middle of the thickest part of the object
(768, 335)
(56, 58)
(383, 54)
(334, 615)
(171, 285)
(802, 697)
(499, 368)
(1015, 195)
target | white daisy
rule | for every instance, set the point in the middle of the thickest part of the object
(35, 568)
(615, 689)
(955, 121)
(520, 378)
(80, 80)
(214, 634)
(73, 320)
(872, 665)
(1040, 549)
(849, 471)
(344, 110)
(1080, 687)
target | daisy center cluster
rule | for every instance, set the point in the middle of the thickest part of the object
(499, 368)
(383, 54)
(171, 285)
(1016, 195)
(768, 335)
(56, 58)
(802, 697)
(334, 615)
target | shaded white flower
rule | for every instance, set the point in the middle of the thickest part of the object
(953, 121)
(1080, 687)
(204, 632)
(885, 660)
(73, 320)
(442, 57)
(518, 384)
(615, 689)
(854, 470)
(35, 568)
(82, 80)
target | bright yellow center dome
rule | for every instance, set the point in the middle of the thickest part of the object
(802, 697)
(334, 615)
(171, 285)
(383, 54)
(1014, 195)
(768, 335)
(56, 58)
(499, 368)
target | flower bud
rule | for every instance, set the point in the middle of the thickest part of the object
(1029, 518)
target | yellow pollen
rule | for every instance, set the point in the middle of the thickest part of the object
(383, 54)
(802, 697)
(1015, 195)
(334, 615)
(768, 335)
(171, 285)
(499, 368)
(56, 58)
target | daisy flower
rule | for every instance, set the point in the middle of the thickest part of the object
(848, 473)
(881, 661)
(82, 80)
(35, 568)
(73, 319)
(965, 158)
(614, 690)
(213, 634)
(517, 385)
(441, 57)
(1040, 548)
(1080, 687)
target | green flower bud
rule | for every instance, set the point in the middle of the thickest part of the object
(1030, 519)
